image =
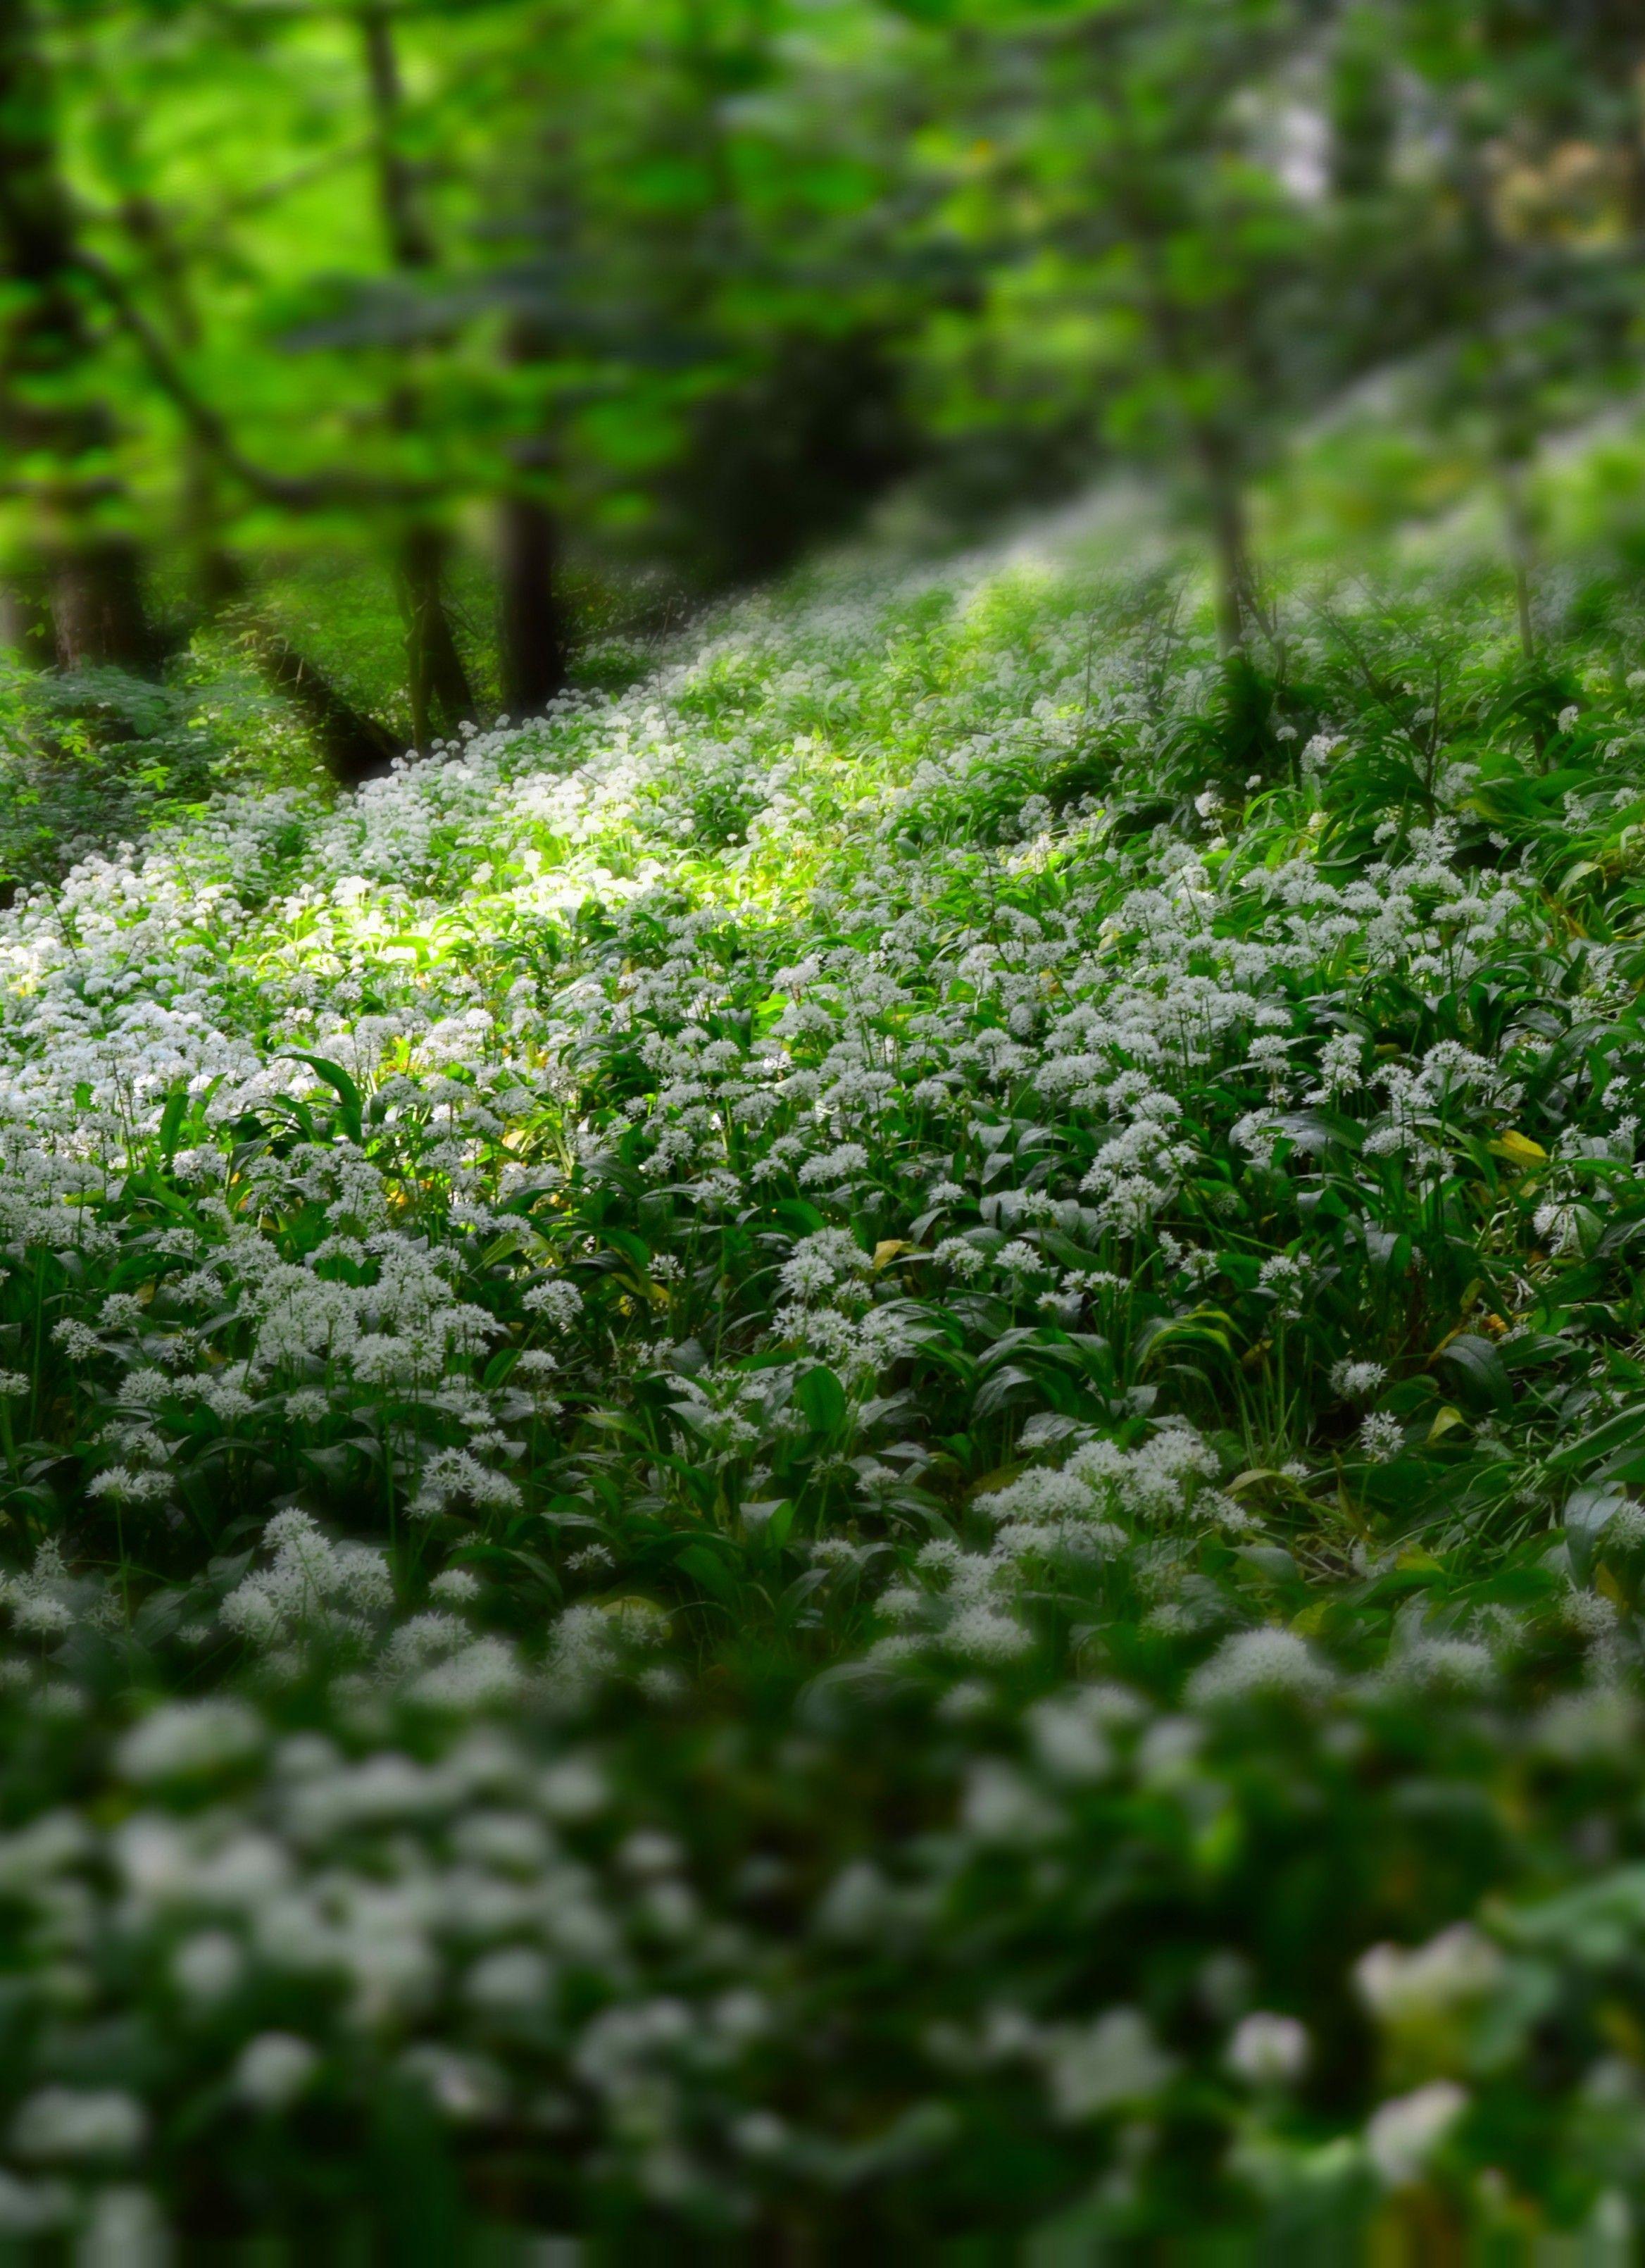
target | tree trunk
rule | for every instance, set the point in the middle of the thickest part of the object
(1521, 554)
(97, 604)
(1231, 567)
(1223, 503)
(531, 626)
(354, 747)
(47, 411)
(441, 695)
(409, 239)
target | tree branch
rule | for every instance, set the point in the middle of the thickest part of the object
(309, 492)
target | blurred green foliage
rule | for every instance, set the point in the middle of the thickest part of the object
(501, 319)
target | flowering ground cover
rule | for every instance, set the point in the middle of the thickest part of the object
(846, 1453)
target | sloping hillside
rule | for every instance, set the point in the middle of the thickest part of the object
(844, 1451)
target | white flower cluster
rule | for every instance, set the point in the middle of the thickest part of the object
(775, 1156)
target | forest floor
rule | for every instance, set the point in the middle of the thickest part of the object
(848, 1450)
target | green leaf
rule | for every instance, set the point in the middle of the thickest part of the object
(1620, 1436)
(352, 1112)
(1479, 1363)
(1588, 1512)
(706, 1566)
(634, 1249)
(172, 1121)
(821, 1396)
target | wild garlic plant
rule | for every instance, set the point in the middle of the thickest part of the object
(846, 1447)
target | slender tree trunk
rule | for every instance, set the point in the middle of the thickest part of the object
(409, 241)
(1521, 554)
(437, 679)
(1631, 150)
(1223, 503)
(532, 633)
(1230, 566)
(441, 695)
(220, 577)
(97, 604)
(532, 624)
(91, 567)
(436, 665)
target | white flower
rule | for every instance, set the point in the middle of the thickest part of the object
(74, 2122)
(1381, 1437)
(1403, 2135)
(1561, 1224)
(1112, 2064)
(1261, 1662)
(1357, 1381)
(515, 1981)
(1287, 1276)
(1458, 1966)
(463, 2087)
(182, 1739)
(273, 2069)
(1589, 1613)
(760, 2134)
(558, 1302)
(1267, 2050)
(209, 1965)
(844, 1163)
(455, 1587)
(982, 1633)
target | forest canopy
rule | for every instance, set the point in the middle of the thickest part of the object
(393, 355)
